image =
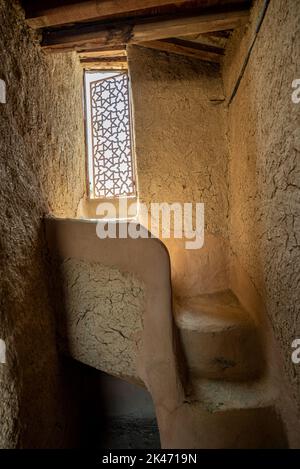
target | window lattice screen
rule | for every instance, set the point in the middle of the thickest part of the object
(111, 137)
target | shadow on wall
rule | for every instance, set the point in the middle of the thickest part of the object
(111, 413)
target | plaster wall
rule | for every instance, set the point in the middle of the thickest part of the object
(101, 321)
(264, 171)
(42, 172)
(181, 155)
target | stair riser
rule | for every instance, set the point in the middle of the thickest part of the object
(230, 355)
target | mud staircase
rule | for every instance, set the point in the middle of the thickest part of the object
(225, 398)
(225, 384)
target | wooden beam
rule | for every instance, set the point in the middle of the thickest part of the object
(190, 25)
(104, 66)
(96, 54)
(211, 39)
(104, 60)
(91, 47)
(90, 10)
(88, 36)
(103, 49)
(186, 48)
(95, 64)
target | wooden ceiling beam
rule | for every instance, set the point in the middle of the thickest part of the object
(183, 26)
(216, 38)
(90, 10)
(186, 48)
(101, 35)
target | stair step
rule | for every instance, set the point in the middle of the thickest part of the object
(216, 395)
(211, 313)
(243, 428)
(218, 337)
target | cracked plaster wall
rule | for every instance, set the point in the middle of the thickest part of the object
(102, 318)
(42, 172)
(264, 168)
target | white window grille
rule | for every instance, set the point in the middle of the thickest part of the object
(109, 135)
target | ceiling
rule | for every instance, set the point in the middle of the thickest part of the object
(100, 30)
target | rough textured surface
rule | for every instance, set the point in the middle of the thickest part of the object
(180, 132)
(103, 316)
(181, 153)
(181, 156)
(219, 339)
(184, 416)
(264, 170)
(42, 171)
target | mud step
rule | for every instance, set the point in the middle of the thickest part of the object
(238, 429)
(217, 395)
(224, 414)
(218, 337)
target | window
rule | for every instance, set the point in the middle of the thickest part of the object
(109, 135)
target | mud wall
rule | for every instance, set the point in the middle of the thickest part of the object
(102, 317)
(42, 172)
(179, 132)
(264, 169)
(181, 154)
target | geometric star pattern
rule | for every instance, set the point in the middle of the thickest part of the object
(111, 137)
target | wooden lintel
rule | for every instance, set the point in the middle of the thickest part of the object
(101, 35)
(104, 59)
(102, 53)
(104, 65)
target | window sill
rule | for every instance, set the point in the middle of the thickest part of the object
(87, 208)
